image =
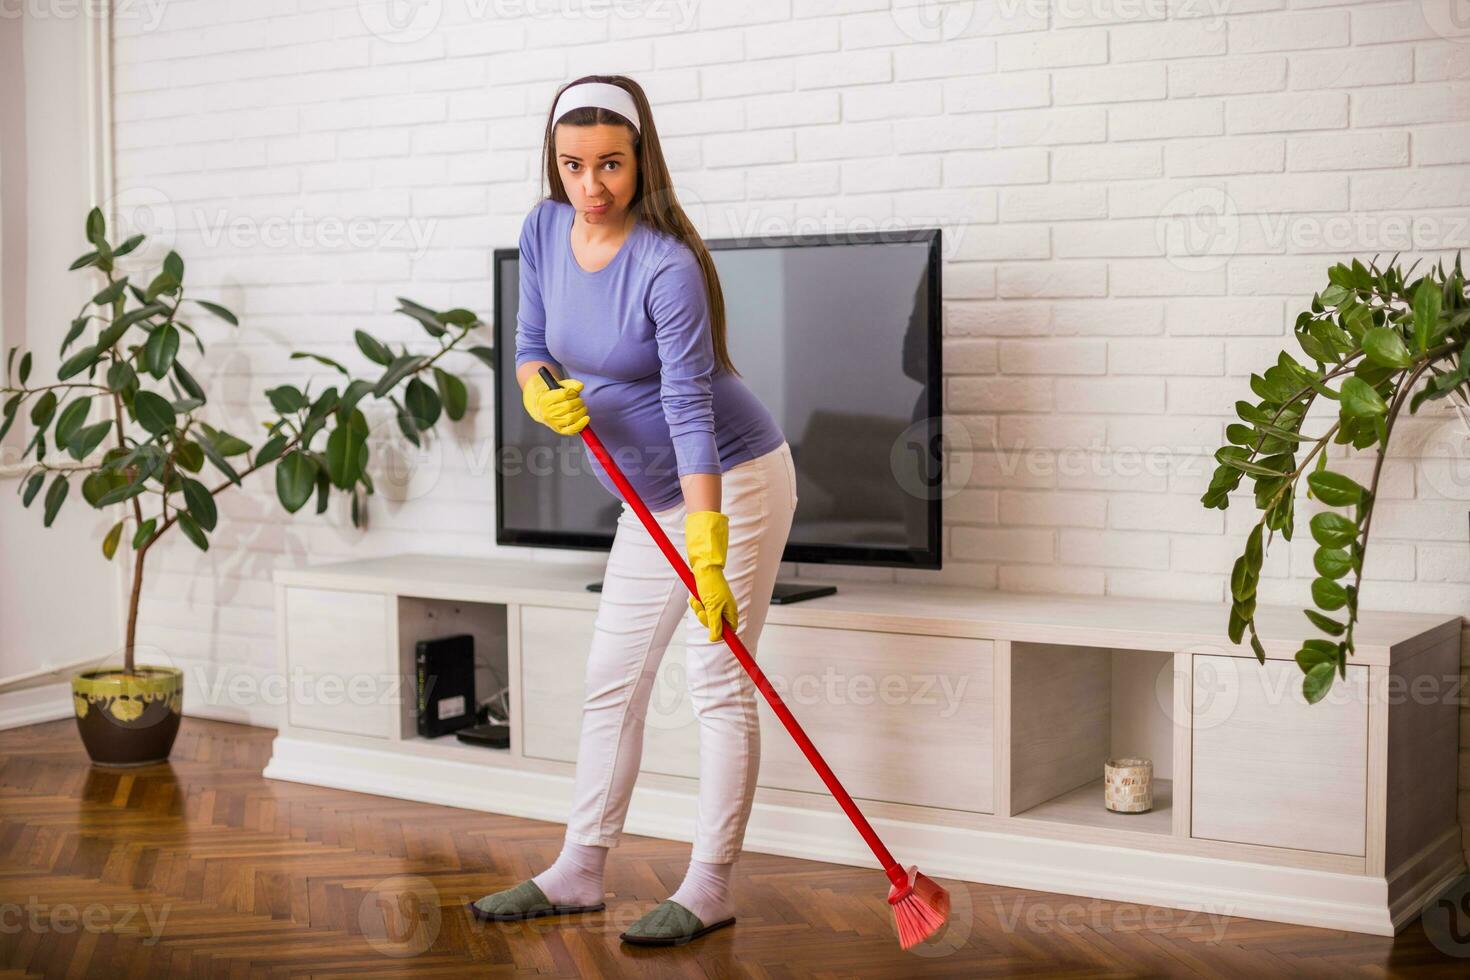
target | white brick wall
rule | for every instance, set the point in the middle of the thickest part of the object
(1096, 338)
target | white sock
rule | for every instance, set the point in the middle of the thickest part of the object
(576, 876)
(705, 891)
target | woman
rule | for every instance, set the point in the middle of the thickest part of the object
(618, 289)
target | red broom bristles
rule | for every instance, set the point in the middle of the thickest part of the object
(920, 908)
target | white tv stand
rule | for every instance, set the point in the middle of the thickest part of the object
(970, 725)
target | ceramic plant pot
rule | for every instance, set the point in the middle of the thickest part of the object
(128, 719)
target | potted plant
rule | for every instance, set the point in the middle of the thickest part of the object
(1373, 335)
(150, 452)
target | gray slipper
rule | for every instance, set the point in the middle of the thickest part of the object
(524, 901)
(669, 924)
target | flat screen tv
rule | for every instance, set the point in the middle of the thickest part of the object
(839, 337)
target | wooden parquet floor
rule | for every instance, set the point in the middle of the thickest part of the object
(203, 868)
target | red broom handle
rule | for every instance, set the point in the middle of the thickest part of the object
(895, 872)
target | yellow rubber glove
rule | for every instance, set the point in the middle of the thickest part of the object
(559, 409)
(707, 538)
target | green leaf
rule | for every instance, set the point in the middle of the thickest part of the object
(1333, 530)
(1324, 623)
(1257, 647)
(1328, 594)
(286, 399)
(43, 409)
(87, 439)
(1332, 562)
(270, 450)
(295, 355)
(32, 487)
(132, 242)
(187, 382)
(83, 260)
(159, 351)
(96, 227)
(1317, 683)
(1360, 400)
(153, 412)
(1253, 548)
(109, 543)
(1242, 582)
(1384, 346)
(227, 444)
(206, 443)
(452, 391)
(346, 455)
(122, 379)
(201, 503)
(1426, 312)
(126, 491)
(356, 392)
(1314, 652)
(55, 497)
(372, 349)
(110, 292)
(1236, 627)
(459, 318)
(407, 424)
(219, 311)
(144, 533)
(77, 326)
(1334, 489)
(78, 362)
(486, 355)
(422, 403)
(295, 478)
(71, 419)
(401, 368)
(192, 531)
(189, 456)
(427, 319)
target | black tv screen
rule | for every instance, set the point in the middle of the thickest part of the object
(839, 337)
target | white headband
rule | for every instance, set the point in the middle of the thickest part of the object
(604, 95)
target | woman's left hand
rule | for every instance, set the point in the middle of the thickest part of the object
(706, 538)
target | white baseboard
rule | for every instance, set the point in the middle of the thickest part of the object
(1210, 887)
(34, 705)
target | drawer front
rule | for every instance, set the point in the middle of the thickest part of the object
(898, 717)
(340, 676)
(1268, 767)
(554, 647)
(555, 644)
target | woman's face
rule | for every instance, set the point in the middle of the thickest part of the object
(598, 169)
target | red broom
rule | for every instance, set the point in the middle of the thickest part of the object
(920, 905)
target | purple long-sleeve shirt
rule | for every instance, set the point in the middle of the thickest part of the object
(637, 333)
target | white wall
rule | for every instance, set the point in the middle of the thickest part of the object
(58, 595)
(1137, 197)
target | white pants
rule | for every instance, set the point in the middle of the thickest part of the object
(643, 602)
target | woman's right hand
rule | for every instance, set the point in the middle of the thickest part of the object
(559, 409)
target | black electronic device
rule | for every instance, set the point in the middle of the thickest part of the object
(494, 735)
(446, 684)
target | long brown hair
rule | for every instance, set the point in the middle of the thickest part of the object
(654, 202)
